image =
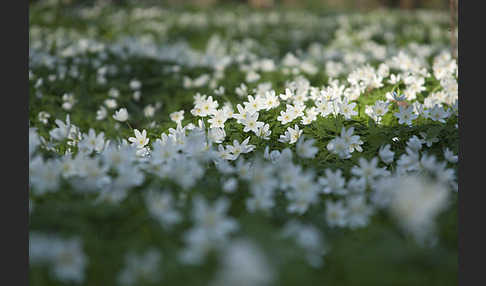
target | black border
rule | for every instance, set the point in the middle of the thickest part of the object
(471, 130)
(14, 211)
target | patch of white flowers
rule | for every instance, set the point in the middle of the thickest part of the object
(412, 186)
(65, 258)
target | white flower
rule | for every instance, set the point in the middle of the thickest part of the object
(230, 185)
(91, 174)
(64, 257)
(68, 166)
(264, 132)
(252, 76)
(62, 131)
(92, 142)
(210, 231)
(243, 169)
(367, 169)
(225, 153)
(241, 90)
(301, 199)
(218, 119)
(177, 116)
(297, 110)
(135, 84)
(69, 101)
(219, 90)
(358, 211)
(243, 264)
(207, 106)
(291, 135)
(394, 79)
(383, 70)
(409, 161)
(285, 117)
(43, 117)
(69, 261)
(378, 110)
(261, 199)
(333, 182)
(140, 139)
(44, 176)
(287, 95)
(228, 109)
(347, 109)
(305, 149)
(254, 104)
(238, 148)
(336, 214)
(353, 141)
(449, 156)
(340, 147)
(405, 115)
(272, 156)
(386, 155)
(113, 92)
(415, 203)
(243, 113)
(251, 123)
(311, 116)
(216, 135)
(324, 107)
(160, 206)
(101, 113)
(119, 157)
(212, 218)
(121, 115)
(111, 103)
(149, 111)
(437, 113)
(415, 143)
(270, 101)
(357, 185)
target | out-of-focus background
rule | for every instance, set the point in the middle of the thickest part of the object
(325, 4)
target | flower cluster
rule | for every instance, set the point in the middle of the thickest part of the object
(214, 149)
